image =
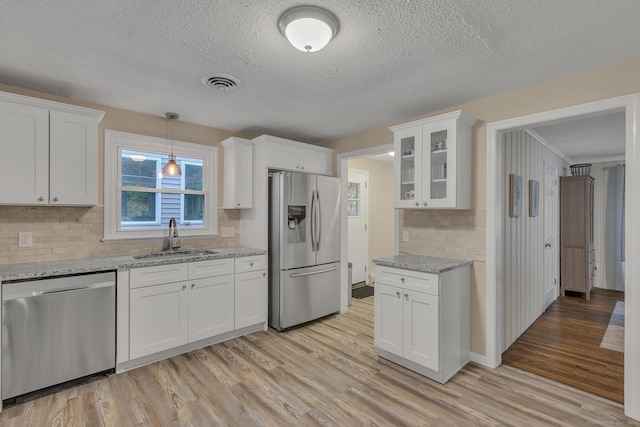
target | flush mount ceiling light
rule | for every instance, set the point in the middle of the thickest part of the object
(308, 28)
(171, 168)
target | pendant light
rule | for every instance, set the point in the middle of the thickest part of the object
(308, 28)
(171, 168)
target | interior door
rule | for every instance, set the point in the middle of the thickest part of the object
(357, 211)
(550, 234)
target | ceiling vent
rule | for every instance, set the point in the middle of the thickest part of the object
(220, 81)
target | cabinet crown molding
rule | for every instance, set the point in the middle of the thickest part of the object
(458, 114)
(51, 105)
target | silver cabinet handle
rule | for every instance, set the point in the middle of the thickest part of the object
(250, 264)
(264, 274)
(398, 294)
(406, 296)
(193, 285)
(41, 199)
(184, 287)
(424, 203)
(302, 167)
(417, 204)
(402, 279)
(238, 204)
(55, 199)
(547, 245)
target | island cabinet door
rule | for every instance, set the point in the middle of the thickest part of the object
(388, 318)
(421, 328)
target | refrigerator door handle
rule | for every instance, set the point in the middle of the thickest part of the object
(311, 273)
(313, 221)
(318, 222)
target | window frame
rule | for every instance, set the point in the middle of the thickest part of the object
(158, 213)
(115, 142)
(183, 185)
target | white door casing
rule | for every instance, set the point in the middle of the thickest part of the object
(358, 214)
(550, 207)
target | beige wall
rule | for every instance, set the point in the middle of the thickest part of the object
(76, 232)
(381, 212)
(602, 83)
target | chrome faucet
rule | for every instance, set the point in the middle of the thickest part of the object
(173, 233)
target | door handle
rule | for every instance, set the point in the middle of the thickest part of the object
(311, 273)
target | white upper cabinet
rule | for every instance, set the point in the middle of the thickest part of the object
(433, 162)
(50, 152)
(238, 173)
(285, 154)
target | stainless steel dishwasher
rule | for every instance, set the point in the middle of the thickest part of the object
(56, 330)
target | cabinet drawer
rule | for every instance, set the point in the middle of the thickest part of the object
(157, 275)
(251, 263)
(408, 279)
(210, 268)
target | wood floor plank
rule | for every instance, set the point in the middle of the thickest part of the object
(564, 345)
(327, 373)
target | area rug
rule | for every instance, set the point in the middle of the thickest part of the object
(614, 336)
(362, 292)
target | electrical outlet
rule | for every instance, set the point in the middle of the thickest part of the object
(25, 239)
(227, 231)
(405, 236)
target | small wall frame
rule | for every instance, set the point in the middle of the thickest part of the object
(515, 195)
(534, 197)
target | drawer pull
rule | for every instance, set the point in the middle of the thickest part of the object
(193, 285)
(398, 294)
(406, 296)
(184, 287)
(402, 279)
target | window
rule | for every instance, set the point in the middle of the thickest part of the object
(353, 199)
(139, 201)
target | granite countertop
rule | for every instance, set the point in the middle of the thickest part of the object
(34, 270)
(426, 264)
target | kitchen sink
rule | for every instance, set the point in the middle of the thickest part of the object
(173, 254)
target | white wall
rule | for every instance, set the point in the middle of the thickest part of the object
(523, 298)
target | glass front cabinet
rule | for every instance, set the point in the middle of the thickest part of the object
(432, 165)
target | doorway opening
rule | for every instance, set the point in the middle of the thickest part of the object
(496, 215)
(368, 215)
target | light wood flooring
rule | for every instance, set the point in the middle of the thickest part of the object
(564, 345)
(326, 373)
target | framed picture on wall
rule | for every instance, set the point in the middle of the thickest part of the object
(534, 188)
(515, 195)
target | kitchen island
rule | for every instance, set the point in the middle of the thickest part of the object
(422, 313)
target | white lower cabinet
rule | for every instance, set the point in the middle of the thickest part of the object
(421, 320)
(211, 307)
(179, 304)
(158, 319)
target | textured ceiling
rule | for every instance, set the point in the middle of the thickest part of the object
(391, 60)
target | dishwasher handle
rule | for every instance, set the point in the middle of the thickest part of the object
(35, 288)
(79, 288)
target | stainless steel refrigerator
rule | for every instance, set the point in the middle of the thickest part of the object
(304, 248)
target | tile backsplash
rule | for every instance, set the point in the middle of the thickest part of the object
(444, 233)
(76, 232)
